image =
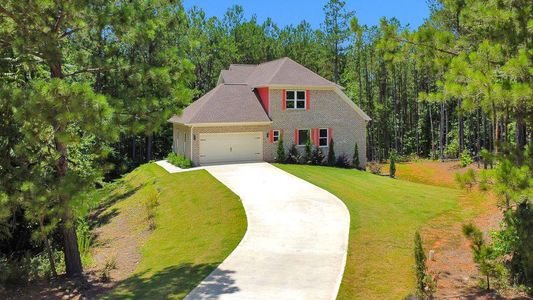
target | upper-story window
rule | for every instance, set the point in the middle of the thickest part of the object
(295, 99)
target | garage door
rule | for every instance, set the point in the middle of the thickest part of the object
(230, 147)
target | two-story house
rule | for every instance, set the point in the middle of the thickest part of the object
(252, 106)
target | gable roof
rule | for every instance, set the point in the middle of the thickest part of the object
(233, 99)
(226, 103)
(283, 71)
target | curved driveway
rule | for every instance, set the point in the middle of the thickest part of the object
(295, 245)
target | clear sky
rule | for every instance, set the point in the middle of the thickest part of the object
(285, 12)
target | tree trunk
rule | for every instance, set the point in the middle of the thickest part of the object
(47, 247)
(149, 146)
(461, 128)
(432, 133)
(520, 132)
(441, 134)
(73, 264)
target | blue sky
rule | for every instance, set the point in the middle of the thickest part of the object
(285, 12)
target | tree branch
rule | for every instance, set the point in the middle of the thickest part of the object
(87, 70)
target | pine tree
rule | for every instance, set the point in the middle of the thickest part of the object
(332, 159)
(280, 151)
(308, 152)
(355, 160)
(420, 265)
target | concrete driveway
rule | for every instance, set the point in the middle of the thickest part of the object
(296, 242)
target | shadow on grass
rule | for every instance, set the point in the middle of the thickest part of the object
(101, 216)
(176, 282)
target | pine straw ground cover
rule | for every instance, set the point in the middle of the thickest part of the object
(385, 213)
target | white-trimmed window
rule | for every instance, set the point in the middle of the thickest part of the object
(303, 136)
(275, 135)
(295, 99)
(323, 137)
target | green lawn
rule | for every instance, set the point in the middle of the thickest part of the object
(198, 223)
(384, 216)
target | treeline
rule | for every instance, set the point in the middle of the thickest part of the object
(86, 88)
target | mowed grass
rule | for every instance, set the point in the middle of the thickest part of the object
(384, 213)
(198, 222)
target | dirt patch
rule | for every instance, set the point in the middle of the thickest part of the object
(119, 234)
(458, 276)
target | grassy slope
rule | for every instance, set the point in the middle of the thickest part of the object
(384, 215)
(198, 223)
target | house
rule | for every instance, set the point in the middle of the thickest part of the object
(252, 106)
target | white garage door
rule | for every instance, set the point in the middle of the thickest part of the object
(230, 147)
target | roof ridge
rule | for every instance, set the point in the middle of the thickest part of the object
(284, 60)
(201, 105)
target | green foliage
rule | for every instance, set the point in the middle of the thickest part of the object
(467, 179)
(487, 157)
(28, 268)
(342, 161)
(484, 255)
(355, 160)
(392, 164)
(280, 151)
(308, 155)
(484, 180)
(179, 161)
(109, 265)
(85, 239)
(150, 203)
(317, 156)
(331, 154)
(425, 284)
(466, 159)
(293, 157)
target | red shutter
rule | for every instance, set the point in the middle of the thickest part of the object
(296, 136)
(317, 136)
(282, 134)
(312, 136)
(329, 134)
(307, 100)
(283, 100)
(271, 136)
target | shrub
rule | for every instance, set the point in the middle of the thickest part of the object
(466, 180)
(85, 239)
(342, 161)
(487, 157)
(331, 154)
(109, 265)
(425, 284)
(308, 152)
(466, 158)
(392, 166)
(484, 254)
(150, 204)
(280, 151)
(293, 157)
(317, 156)
(374, 167)
(355, 160)
(179, 160)
(484, 179)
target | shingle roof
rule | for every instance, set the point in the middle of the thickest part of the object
(233, 99)
(283, 71)
(226, 103)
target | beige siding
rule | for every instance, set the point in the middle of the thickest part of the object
(181, 140)
(268, 148)
(326, 110)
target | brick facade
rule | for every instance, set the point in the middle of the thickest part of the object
(326, 110)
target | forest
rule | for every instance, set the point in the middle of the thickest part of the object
(86, 88)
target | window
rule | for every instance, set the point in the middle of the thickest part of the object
(295, 99)
(323, 137)
(303, 136)
(275, 135)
